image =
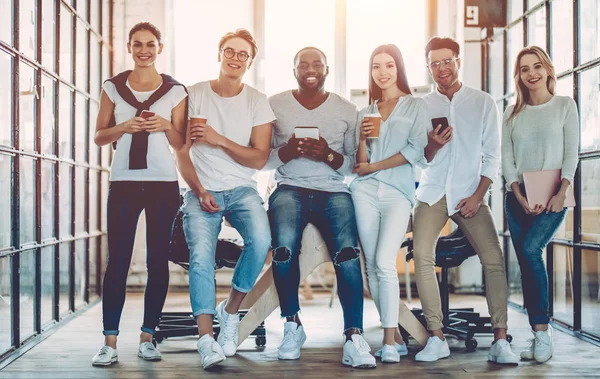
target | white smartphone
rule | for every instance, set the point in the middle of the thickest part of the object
(306, 132)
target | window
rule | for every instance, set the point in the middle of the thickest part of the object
(590, 292)
(590, 30)
(27, 201)
(280, 48)
(60, 171)
(5, 301)
(379, 22)
(66, 43)
(5, 200)
(6, 29)
(6, 84)
(27, 95)
(537, 28)
(589, 109)
(590, 200)
(563, 284)
(562, 35)
(27, 27)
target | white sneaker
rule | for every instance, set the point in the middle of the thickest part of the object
(402, 350)
(105, 356)
(357, 353)
(434, 350)
(293, 339)
(543, 349)
(389, 354)
(500, 352)
(527, 354)
(228, 334)
(148, 352)
(210, 351)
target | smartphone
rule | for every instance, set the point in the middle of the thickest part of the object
(439, 121)
(306, 132)
(146, 114)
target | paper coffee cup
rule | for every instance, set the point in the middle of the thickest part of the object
(198, 119)
(375, 118)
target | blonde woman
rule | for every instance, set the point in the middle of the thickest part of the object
(540, 132)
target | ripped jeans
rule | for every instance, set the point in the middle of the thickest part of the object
(332, 213)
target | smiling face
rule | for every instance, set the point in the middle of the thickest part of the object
(311, 70)
(144, 48)
(384, 71)
(446, 74)
(532, 72)
(233, 67)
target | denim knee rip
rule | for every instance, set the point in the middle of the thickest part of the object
(281, 254)
(345, 255)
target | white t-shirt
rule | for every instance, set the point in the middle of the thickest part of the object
(160, 159)
(233, 117)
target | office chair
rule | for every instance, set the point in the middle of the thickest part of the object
(179, 324)
(451, 251)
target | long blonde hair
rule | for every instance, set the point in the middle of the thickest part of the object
(521, 89)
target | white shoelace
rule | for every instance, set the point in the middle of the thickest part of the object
(361, 345)
(230, 329)
(103, 351)
(288, 337)
(539, 340)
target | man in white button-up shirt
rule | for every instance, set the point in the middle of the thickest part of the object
(462, 160)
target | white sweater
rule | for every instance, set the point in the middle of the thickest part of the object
(541, 137)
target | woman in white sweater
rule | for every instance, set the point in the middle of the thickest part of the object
(540, 132)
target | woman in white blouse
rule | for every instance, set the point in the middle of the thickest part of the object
(384, 191)
(143, 177)
(540, 132)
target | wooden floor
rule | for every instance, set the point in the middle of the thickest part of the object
(68, 352)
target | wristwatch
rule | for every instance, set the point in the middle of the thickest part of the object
(330, 157)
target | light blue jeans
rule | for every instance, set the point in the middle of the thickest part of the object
(243, 208)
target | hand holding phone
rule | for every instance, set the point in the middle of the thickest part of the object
(439, 121)
(146, 114)
(307, 132)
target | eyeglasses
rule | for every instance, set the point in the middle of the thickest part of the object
(446, 62)
(229, 53)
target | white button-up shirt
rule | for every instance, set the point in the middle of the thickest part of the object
(474, 150)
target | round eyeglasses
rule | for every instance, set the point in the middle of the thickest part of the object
(229, 53)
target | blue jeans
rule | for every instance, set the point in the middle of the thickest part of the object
(243, 208)
(126, 200)
(332, 213)
(530, 235)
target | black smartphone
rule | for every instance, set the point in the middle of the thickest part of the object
(439, 121)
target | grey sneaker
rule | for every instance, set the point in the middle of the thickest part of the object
(543, 347)
(148, 352)
(210, 351)
(106, 356)
(401, 349)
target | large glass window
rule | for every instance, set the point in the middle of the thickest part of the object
(5, 301)
(27, 27)
(562, 34)
(590, 292)
(536, 28)
(5, 98)
(5, 200)
(563, 284)
(590, 200)
(64, 183)
(27, 292)
(515, 44)
(48, 115)
(66, 43)
(589, 109)
(49, 34)
(6, 29)
(400, 23)
(27, 95)
(47, 275)
(589, 21)
(27, 201)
